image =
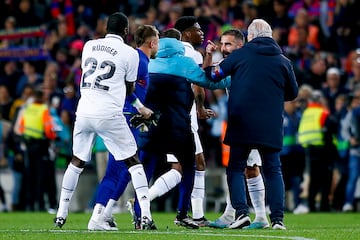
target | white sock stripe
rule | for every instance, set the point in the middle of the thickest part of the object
(199, 173)
(257, 190)
(164, 181)
(74, 168)
(134, 168)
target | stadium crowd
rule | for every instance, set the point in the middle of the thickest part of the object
(41, 43)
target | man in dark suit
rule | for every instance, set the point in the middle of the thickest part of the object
(262, 78)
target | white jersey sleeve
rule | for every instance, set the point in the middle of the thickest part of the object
(106, 64)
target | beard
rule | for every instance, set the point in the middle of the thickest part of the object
(225, 54)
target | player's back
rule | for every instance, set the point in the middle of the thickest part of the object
(106, 64)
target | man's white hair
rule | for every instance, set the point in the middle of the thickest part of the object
(259, 28)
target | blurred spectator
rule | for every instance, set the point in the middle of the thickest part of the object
(30, 76)
(9, 28)
(175, 12)
(316, 130)
(353, 82)
(292, 155)
(28, 91)
(214, 8)
(36, 127)
(354, 159)
(100, 29)
(333, 60)
(69, 102)
(7, 8)
(321, 13)
(63, 143)
(347, 63)
(16, 147)
(84, 13)
(342, 105)
(304, 96)
(311, 6)
(302, 21)
(189, 7)
(162, 16)
(280, 22)
(75, 49)
(62, 60)
(5, 102)
(316, 75)
(62, 37)
(250, 12)
(10, 76)
(333, 88)
(301, 52)
(83, 33)
(151, 18)
(53, 94)
(234, 11)
(63, 11)
(345, 28)
(25, 15)
(4, 132)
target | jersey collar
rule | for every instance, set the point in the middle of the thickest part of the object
(109, 35)
(187, 44)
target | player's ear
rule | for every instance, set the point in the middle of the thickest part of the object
(126, 31)
(186, 35)
(152, 43)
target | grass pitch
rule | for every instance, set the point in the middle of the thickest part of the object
(39, 226)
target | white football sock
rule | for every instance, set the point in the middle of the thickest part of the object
(198, 194)
(164, 184)
(97, 213)
(257, 195)
(69, 183)
(229, 213)
(108, 209)
(141, 187)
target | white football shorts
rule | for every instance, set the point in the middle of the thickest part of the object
(254, 158)
(115, 133)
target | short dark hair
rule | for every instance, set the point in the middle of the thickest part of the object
(38, 94)
(236, 33)
(185, 22)
(171, 33)
(117, 23)
(144, 32)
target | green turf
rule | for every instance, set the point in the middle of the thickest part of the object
(299, 227)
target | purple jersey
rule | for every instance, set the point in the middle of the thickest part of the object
(141, 85)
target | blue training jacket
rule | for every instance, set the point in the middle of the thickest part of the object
(170, 59)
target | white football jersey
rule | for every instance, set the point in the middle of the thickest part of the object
(198, 58)
(106, 64)
(194, 54)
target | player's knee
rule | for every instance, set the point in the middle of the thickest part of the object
(177, 167)
(251, 172)
(200, 162)
(131, 161)
(78, 162)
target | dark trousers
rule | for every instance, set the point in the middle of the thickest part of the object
(293, 167)
(274, 184)
(320, 171)
(39, 175)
